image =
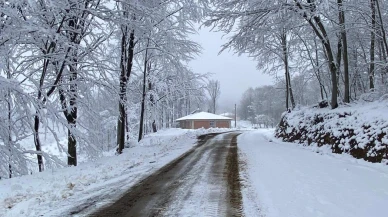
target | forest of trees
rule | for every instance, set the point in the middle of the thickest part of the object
(108, 72)
(316, 49)
(264, 105)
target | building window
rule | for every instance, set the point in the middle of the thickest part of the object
(212, 123)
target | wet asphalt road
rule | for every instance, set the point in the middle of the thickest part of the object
(202, 182)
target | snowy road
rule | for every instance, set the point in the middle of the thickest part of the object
(284, 179)
(204, 181)
(252, 174)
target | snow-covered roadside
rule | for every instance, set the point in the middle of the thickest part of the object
(283, 179)
(358, 129)
(56, 192)
(242, 125)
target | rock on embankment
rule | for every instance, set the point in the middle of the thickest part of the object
(360, 130)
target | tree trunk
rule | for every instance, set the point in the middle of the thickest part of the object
(338, 59)
(72, 111)
(121, 128)
(154, 129)
(322, 87)
(382, 46)
(383, 59)
(338, 62)
(9, 140)
(144, 94)
(290, 87)
(9, 123)
(152, 100)
(72, 118)
(37, 141)
(37, 120)
(71, 149)
(130, 52)
(127, 125)
(372, 47)
(214, 105)
(332, 68)
(285, 74)
(319, 29)
(122, 93)
(345, 50)
(287, 71)
(287, 89)
(377, 4)
(126, 63)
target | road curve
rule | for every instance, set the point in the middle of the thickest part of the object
(202, 182)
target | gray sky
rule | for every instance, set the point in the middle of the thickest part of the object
(235, 73)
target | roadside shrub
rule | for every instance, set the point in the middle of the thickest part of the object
(359, 130)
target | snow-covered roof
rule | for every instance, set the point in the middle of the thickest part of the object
(203, 116)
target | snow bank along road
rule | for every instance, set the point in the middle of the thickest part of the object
(204, 181)
(289, 180)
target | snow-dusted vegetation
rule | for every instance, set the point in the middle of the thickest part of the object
(80, 77)
(316, 51)
(359, 129)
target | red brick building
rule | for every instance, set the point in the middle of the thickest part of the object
(205, 120)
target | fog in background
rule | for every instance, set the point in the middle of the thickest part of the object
(235, 73)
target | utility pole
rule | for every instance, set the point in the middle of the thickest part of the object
(235, 115)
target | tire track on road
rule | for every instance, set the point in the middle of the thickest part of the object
(204, 181)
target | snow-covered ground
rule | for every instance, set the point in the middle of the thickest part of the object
(242, 124)
(284, 179)
(55, 192)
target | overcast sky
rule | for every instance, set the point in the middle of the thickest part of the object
(235, 73)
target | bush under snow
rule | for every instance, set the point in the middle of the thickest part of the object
(359, 129)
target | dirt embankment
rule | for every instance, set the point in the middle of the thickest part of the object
(343, 131)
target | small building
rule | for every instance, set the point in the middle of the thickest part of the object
(205, 120)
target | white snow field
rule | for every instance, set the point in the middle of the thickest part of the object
(290, 180)
(243, 124)
(56, 192)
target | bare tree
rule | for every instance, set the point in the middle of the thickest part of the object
(213, 89)
(345, 49)
(372, 46)
(127, 45)
(289, 94)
